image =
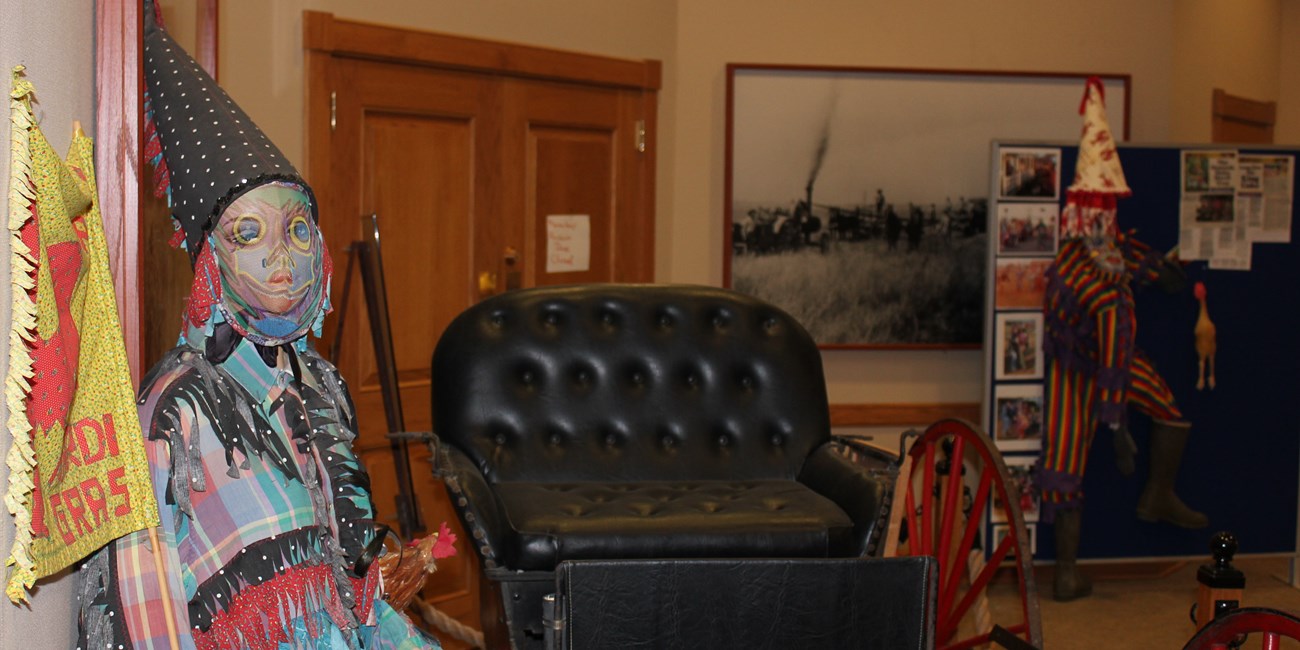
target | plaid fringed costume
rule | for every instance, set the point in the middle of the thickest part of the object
(1094, 369)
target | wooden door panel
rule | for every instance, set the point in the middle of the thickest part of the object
(571, 175)
(408, 151)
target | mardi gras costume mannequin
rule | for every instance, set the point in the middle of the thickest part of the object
(1094, 369)
(266, 538)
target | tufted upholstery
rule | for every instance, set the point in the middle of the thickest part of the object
(643, 421)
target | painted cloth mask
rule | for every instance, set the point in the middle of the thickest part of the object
(271, 260)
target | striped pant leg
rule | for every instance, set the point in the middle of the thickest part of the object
(1148, 392)
(1070, 398)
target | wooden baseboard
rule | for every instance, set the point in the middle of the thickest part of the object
(901, 415)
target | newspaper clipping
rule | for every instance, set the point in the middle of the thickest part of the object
(1231, 200)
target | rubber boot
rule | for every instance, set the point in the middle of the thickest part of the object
(1158, 501)
(1068, 583)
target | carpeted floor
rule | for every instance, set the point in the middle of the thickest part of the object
(1145, 606)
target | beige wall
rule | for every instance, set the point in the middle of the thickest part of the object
(261, 63)
(1235, 46)
(62, 69)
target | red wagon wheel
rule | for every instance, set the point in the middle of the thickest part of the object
(1229, 630)
(946, 461)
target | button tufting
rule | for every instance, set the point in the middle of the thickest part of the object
(724, 440)
(499, 439)
(747, 382)
(526, 377)
(667, 442)
(769, 324)
(692, 380)
(556, 439)
(551, 318)
(611, 440)
(778, 440)
(637, 378)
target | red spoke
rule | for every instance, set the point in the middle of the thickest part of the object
(912, 528)
(977, 585)
(951, 497)
(1272, 641)
(949, 588)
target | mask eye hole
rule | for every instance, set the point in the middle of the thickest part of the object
(300, 232)
(248, 229)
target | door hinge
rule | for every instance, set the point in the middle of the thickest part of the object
(334, 110)
(640, 136)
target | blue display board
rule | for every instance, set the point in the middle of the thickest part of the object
(1242, 462)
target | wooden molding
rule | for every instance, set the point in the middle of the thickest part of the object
(1242, 120)
(118, 122)
(901, 415)
(323, 32)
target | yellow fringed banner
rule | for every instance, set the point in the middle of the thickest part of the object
(78, 473)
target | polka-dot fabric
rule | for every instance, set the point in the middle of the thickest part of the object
(213, 150)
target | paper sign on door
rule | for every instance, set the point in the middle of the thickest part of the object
(568, 243)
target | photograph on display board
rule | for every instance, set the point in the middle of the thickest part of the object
(1029, 174)
(1020, 282)
(1027, 228)
(1018, 417)
(1018, 338)
(1000, 532)
(1019, 487)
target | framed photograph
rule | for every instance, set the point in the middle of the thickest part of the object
(1019, 487)
(1018, 337)
(1028, 228)
(1029, 174)
(1018, 417)
(1020, 282)
(857, 199)
(1000, 532)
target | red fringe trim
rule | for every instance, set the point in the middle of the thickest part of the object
(206, 289)
(259, 617)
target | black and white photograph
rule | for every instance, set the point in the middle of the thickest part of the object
(1018, 417)
(1029, 174)
(1028, 228)
(858, 199)
(1018, 337)
(1020, 486)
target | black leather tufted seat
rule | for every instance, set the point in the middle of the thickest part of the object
(643, 421)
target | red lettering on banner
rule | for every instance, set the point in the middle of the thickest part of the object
(117, 488)
(87, 431)
(96, 504)
(61, 519)
(77, 511)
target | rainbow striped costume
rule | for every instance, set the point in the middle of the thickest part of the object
(1094, 369)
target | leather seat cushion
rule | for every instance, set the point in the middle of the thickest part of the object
(554, 522)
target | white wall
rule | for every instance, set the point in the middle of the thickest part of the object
(55, 40)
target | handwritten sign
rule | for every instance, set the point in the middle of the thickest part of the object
(568, 243)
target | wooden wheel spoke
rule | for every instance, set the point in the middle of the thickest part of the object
(927, 499)
(978, 585)
(951, 496)
(953, 580)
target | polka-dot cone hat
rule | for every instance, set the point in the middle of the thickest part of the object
(205, 149)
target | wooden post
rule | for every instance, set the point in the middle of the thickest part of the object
(1221, 585)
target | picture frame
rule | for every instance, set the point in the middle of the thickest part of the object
(1018, 345)
(857, 199)
(1020, 486)
(1028, 229)
(1018, 417)
(1020, 282)
(1029, 174)
(1000, 532)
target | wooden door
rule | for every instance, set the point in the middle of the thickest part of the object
(584, 181)
(463, 148)
(409, 145)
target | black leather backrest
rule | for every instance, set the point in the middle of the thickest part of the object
(629, 382)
